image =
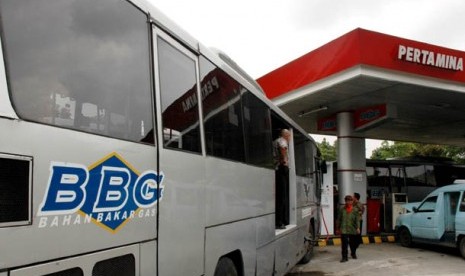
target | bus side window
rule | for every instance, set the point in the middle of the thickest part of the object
(257, 131)
(179, 103)
(93, 75)
(222, 112)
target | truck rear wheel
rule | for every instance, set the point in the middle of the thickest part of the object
(462, 246)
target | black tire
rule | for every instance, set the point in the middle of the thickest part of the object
(405, 238)
(309, 247)
(225, 267)
(462, 246)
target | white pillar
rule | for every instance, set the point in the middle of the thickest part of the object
(351, 171)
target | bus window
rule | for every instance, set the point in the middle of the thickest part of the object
(378, 179)
(303, 155)
(122, 265)
(222, 111)
(415, 175)
(68, 272)
(257, 127)
(430, 176)
(74, 66)
(179, 104)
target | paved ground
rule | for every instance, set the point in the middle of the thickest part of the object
(385, 259)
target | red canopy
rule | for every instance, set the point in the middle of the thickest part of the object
(362, 47)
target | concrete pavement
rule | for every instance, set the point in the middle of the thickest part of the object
(384, 259)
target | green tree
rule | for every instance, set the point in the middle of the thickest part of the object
(328, 151)
(405, 149)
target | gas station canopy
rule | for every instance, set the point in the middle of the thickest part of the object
(397, 89)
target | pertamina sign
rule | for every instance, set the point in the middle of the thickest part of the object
(429, 58)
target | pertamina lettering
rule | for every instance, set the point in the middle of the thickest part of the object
(108, 193)
(208, 88)
(430, 58)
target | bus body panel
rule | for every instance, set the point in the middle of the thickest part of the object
(286, 256)
(6, 110)
(182, 214)
(265, 259)
(236, 191)
(49, 146)
(241, 238)
(148, 258)
(85, 263)
(265, 230)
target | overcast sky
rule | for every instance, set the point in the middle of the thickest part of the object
(262, 35)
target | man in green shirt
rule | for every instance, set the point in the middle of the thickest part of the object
(348, 226)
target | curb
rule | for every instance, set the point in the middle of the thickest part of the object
(366, 240)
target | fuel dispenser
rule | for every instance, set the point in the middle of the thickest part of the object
(398, 199)
(374, 207)
(393, 208)
(328, 200)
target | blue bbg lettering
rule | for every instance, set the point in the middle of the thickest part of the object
(68, 189)
(113, 192)
(66, 192)
(145, 189)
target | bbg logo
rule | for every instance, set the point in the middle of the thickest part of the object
(108, 193)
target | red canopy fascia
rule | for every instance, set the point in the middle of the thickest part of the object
(358, 47)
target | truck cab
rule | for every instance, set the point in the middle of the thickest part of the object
(438, 219)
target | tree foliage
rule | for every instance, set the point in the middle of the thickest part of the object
(405, 150)
(389, 149)
(328, 151)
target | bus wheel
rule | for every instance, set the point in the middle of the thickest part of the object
(225, 267)
(462, 246)
(309, 247)
(405, 237)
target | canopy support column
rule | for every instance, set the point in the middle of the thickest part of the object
(351, 171)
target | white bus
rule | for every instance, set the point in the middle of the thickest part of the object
(128, 148)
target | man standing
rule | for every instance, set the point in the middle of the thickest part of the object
(361, 209)
(281, 155)
(348, 223)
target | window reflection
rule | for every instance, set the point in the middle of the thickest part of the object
(80, 65)
(303, 155)
(257, 131)
(222, 111)
(180, 109)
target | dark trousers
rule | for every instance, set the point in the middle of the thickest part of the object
(359, 236)
(282, 196)
(348, 241)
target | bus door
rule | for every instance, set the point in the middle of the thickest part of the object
(182, 210)
(285, 180)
